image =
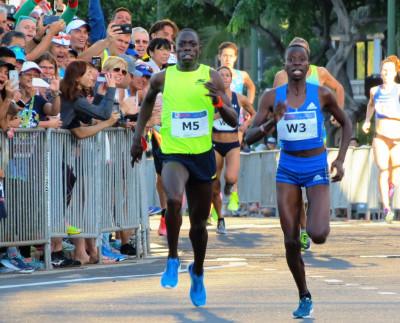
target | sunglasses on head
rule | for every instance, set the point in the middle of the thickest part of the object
(144, 67)
(117, 69)
(17, 49)
(62, 36)
(27, 17)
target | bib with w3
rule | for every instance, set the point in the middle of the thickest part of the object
(298, 126)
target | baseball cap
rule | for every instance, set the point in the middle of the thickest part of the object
(130, 62)
(131, 50)
(271, 140)
(76, 24)
(30, 66)
(19, 53)
(144, 69)
(62, 39)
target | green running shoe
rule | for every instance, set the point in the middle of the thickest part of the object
(305, 241)
(234, 202)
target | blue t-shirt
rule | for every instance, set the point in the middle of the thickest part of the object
(33, 112)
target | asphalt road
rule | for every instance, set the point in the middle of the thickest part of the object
(354, 277)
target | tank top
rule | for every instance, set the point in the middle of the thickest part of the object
(220, 125)
(237, 83)
(301, 128)
(387, 106)
(187, 114)
(313, 77)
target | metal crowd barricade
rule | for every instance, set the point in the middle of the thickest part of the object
(123, 197)
(24, 161)
(75, 185)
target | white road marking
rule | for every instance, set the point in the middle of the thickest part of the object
(368, 288)
(351, 285)
(386, 293)
(333, 281)
(78, 280)
(316, 276)
(269, 269)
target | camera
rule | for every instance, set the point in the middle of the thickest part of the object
(48, 20)
(96, 61)
(125, 28)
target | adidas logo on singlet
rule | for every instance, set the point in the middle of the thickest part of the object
(311, 106)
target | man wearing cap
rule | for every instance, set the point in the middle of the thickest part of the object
(36, 107)
(78, 30)
(19, 56)
(59, 49)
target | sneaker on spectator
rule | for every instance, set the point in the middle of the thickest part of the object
(116, 244)
(234, 202)
(162, 229)
(60, 260)
(128, 249)
(198, 294)
(38, 265)
(73, 230)
(17, 263)
(169, 278)
(67, 246)
(109, 254)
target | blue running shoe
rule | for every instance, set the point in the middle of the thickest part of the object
(197, 290)
(17, 263)
(169, 278)
(305, 308)
(109, 254)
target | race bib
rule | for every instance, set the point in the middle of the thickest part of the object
(221, 125)
(189, 124)
(298, 126)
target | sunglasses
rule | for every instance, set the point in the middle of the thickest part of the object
(144, 67)
(117, 69)
(17, 49)
(10, 26)
(62, 36)
(27, 17)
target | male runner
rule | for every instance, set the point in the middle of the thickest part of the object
(190, 93)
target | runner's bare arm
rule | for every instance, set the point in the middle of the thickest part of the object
(216, 88)
(251, 88)
(246, 105)
(261, 125)
(328, 100)
(146, 109)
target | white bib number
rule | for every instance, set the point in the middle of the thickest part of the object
(221, 125)
(189, 124)
(298, 126)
